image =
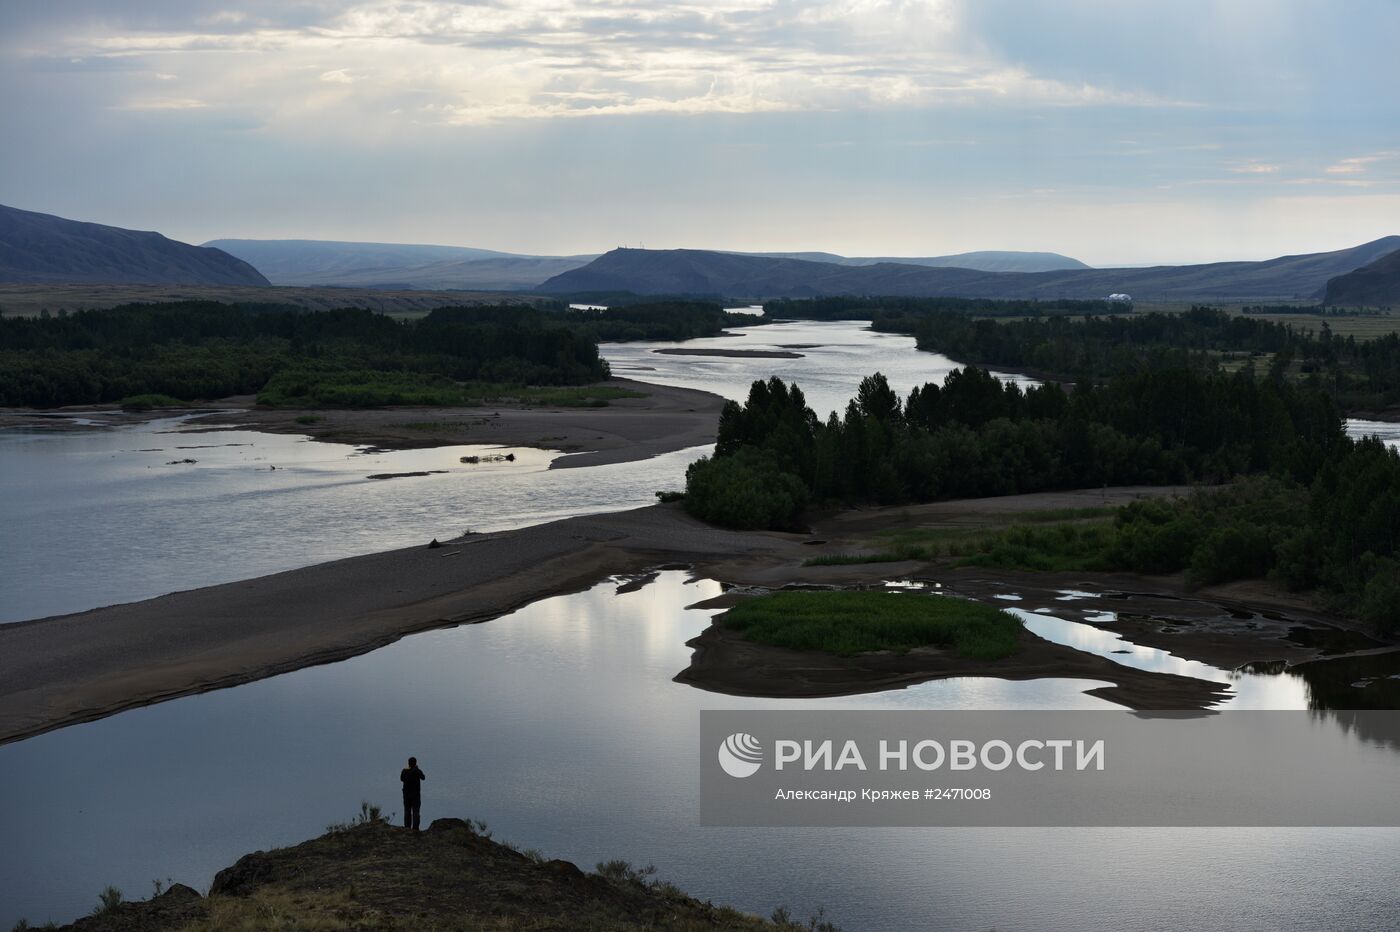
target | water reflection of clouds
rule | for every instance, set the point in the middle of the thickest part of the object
(560, 726)
(1250, 690)
(841, 353)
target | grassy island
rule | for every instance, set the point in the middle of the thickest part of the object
(849, 623)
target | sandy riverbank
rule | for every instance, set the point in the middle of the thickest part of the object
(68, 669)
(664, 419)
(731, 353)
(73, 668)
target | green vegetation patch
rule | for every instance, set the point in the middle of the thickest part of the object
(848, 623)
(1061, 547)
(148, 401)
(1057, 539)
(854, 559)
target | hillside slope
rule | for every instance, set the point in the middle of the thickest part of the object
(451, 876)
(38, 247)
(1377, 284)
(700, 272)
(395, 265)
(982, 261)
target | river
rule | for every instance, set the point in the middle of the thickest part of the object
(559, 724)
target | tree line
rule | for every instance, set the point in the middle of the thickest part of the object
(1359, 373)
(974, 436)
(203, 350)
(851, 307)
(1073, 340)
(657, 320)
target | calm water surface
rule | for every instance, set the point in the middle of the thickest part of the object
(559, 724)
(91, 518)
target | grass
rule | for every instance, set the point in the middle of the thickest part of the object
(1362, 327)
(319, 911)
(150, 400)
(1063, 547)
(108, 900)
(369, 813)
(1068, 543)
(848, 623)
(852, 559)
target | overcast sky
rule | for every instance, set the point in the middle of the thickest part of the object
(1112, 131)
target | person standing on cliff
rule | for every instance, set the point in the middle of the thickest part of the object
(412, 779)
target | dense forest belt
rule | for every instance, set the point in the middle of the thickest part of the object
(74, 668)
(157, 355)
(28, 300)
(664, 419)
(1361, 374)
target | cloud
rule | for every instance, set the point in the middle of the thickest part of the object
(1254, 168)
(1359, 164)
(161, 103)
(941, 125)
(481, 63)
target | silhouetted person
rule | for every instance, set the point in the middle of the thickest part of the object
(412, 779)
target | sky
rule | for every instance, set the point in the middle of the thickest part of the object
(1113, 131)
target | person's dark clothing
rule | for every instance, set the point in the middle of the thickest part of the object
(412, 779)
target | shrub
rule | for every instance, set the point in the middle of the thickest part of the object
(1380, 599)
(1233, 552)
(110, 898)
(747, 491)
(148, 401)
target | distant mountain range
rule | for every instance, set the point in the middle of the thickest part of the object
(701, 272)
(38, 247)
(984, 261)
(1374, 285)
(396, 265)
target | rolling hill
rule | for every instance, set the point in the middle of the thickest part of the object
(409, 266)
(700, 272)
(38, 247)
(1374, 285)
(396, 265)
(984, 261)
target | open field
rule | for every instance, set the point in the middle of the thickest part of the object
(1365, 326)
(26, 300)
(1361, 326)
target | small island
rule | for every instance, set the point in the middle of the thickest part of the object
(806, 644)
